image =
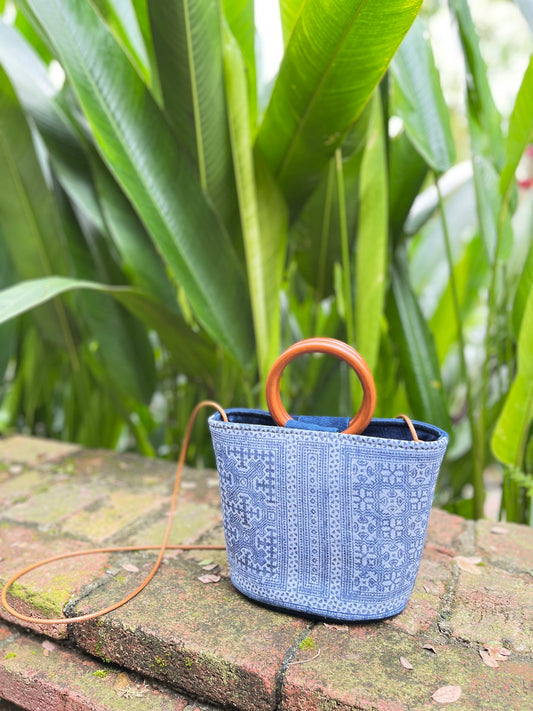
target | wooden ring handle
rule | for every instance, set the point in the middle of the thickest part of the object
(332, 347)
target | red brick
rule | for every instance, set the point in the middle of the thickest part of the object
(444, 529)
(207, 640)
(361, 669)
(512, 550)
(493, 606)
(45, 591)
(33, 451)
(62, 679)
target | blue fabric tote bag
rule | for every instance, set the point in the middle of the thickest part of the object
(324, 515)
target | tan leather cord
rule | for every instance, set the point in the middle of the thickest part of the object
(409, 424)
(116, 549)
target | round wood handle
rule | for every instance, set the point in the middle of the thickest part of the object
(332, 347)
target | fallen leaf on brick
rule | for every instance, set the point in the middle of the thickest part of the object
(497, 652)
(211, 566)
(205, 561)
(48, 647)
(124, 687)
(498, 530)
(430, 647)
(122, 683)
(340, 628)
(488, 659)
(447, 694)
(209, 578)
(470, 564)
(405, 664)
(130, 567)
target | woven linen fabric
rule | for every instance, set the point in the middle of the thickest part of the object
(322, 522)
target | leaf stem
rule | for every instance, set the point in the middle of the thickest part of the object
(477, 450)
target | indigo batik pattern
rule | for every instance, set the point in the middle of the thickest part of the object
(321, 522)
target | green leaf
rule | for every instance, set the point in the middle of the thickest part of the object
(192, 352)
(372, 240)
(121, 18)
(143, 19)
(29, 222)
(512, 429)
(263, 213)
(138, 146)
(188, 47)
(116, 339)
(28, 27)
(407, 172)
(525, 287)
(139, 260)
(289, 10)
(471, 272)
(315, 236)
(483, 116)
(7, 330)
(488, 205)
(418, 100)
(29, 77)
(27, 30)
(335, 57)
(75, 162)
(240, 17)
(416, 347)
(520, 131)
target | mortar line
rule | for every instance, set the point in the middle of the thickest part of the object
(290, 654)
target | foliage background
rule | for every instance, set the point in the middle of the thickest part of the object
(171, 219)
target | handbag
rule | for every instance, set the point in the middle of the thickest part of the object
(325, 516)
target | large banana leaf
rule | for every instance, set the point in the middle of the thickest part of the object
(336, 54)
(512, 429)
(483, 116)
(289, 10)
(138, 146)
(139, 261)
(263, 213)
(240, 17)
(143, 20)
(193, 354)
(418, 100)
(29, 223)
(372, 240)
(122, 344)
(187, 41)
(121, 18)
(80, 170)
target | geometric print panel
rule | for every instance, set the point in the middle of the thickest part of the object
(253, 496)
